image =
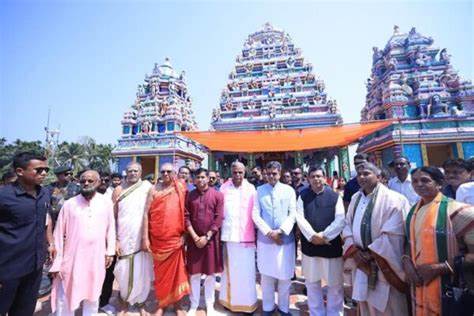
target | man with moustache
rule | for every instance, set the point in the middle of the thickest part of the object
(84, 237)
(238, 292)
(274, 214)
(203, 220)
(320, 217)
(214, 180)
(374, 244)
(457, 172)
(163, 237)
(23, 208)
(61, 190)
(134, 268)
(402, 182)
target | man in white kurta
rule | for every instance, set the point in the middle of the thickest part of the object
(374, 244)
(320, 217)
(84, 238)
(238, 292)
(274, 215)
(134, 268)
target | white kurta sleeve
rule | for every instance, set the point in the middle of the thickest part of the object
(289, 222)
(303, 224)
(257, 219)
(336, 227)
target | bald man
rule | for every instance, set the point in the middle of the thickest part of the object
(134, 268)
(84, 237)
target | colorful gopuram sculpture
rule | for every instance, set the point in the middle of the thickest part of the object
(161, 108)
(272, 87)
(415, 83)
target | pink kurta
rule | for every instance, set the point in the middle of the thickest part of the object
(83, 236)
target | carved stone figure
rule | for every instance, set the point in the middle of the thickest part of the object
(444, 57)
(436, 107)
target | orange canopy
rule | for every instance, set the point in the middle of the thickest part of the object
(285, 140)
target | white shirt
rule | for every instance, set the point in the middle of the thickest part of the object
(231, 230)
(465, 193)
(405, 188)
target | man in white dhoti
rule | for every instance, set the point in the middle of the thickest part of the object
(274, 213)
(134, 268)
(238, 292)
(373, 245)
(320, 217)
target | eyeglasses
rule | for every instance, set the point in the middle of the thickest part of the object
(83, 181)
(166, 171)
(105, 180)
(212, 178)
(40, 170)
(68, 173)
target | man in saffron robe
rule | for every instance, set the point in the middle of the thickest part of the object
(163, 230)
(84, 237)
(238, 292)
(374, 244)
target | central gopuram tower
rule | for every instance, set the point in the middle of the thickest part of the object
(272, 87)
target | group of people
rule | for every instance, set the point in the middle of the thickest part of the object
(404, 245)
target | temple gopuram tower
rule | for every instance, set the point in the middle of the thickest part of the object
(272, 87)
(414, 82)
(162, 107)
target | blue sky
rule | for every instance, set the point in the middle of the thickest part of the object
(84, 59)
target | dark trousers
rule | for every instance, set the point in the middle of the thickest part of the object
(18, 296)
(107, 286)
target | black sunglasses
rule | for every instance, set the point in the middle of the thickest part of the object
(166, 171)
(40, 170)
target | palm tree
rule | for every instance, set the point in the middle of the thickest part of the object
(73, 154)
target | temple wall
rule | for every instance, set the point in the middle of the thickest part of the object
(123, 162)
(468, 149)
(387, 156)
(413, 153)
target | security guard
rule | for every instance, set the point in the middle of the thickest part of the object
(23, 208)
(61, 190)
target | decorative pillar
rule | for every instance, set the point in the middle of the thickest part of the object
(378, 158)
(250, 161)
(212, 162)
(460, 150)
(298, 159)
(157, 167)
(424, 155)
(331, 166)
(134, 158)
(344, 163)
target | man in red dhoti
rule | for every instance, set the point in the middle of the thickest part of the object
(163, 231)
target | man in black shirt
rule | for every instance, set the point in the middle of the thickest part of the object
(23, 208)
(353, 186)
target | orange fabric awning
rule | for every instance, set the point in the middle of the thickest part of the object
(285, 140)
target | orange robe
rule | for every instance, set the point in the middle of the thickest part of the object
(166, 228)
